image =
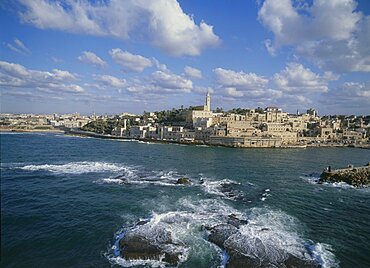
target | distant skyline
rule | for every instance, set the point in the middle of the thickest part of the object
(120, 56)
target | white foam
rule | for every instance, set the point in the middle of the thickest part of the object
(316, 179)
(75, 167)
(271, 235)
(322, 253)
(133, 263)
(216, 187)
(110, 181)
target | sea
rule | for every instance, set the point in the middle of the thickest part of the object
(67, 200)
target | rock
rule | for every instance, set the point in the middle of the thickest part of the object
(246, 253)
(235, 221)
(220, 233)
(122, 178)
(294, 262)
(238, 260)
(359, 177)
(183, 180)
(135, 247)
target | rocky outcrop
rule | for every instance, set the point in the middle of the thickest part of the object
(152, 240)
(244, 252)
(183, 181)
(150, 243)
(356, 176)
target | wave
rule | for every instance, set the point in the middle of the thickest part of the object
(223, 188)
(140, 176)
(75, 167)
(271, 236)
(315, 179)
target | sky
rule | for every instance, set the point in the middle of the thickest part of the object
(115, 56)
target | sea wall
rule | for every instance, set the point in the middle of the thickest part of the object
(356, 176)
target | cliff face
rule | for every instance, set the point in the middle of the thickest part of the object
(356, 176)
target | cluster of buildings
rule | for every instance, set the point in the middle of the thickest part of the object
(29, 122)
(270, 127)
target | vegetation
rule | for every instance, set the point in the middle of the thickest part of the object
(103, 126)
(173, 117)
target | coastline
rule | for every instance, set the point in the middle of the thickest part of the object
(293, 146)
(54, 130)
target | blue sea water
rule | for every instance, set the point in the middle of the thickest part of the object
(65, 199)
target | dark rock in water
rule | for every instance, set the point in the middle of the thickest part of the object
(294, 262)
(245, 252)
(183, 181)
(235, 221)
(122, 178)
(359, 177)
(238, 260)
(142, 222)
(220, 233)
(138, 245)
(135, 247)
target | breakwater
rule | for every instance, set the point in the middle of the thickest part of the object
(356, 176)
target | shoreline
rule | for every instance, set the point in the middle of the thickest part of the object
(55, 130)
(298, 146)
(73, 132)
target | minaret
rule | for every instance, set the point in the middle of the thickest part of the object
(207, 107)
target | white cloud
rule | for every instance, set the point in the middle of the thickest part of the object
(18, 47)
(348, 98)
(239, 80)
(130, 62)
(159, 66)
(356, 89)
(295, 78)
(57, 81)
(170, 81)
(231, 91)
(246, 85)
(91, 58)
(192, 72)
(110, 81)
(161, 22)
(202, 90)
(331, 33)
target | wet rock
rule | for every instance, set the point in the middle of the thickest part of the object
(122, 178)
(294, 262)
(142, 222)
(183, 180)
(135, 246)
(220, 233)
(246, 252)
(238, 260)
(235, 221)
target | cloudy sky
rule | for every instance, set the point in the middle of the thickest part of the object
(113, 56)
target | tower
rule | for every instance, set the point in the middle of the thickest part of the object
(207, 107)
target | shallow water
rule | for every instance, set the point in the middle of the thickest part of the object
(65, 199)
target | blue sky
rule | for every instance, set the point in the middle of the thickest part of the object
(119, 56)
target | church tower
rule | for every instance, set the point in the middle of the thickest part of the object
(207, 107)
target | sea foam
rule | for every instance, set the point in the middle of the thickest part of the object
(75, 167)
(267, 234)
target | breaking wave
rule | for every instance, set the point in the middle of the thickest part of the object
(315, 179)
(75, 167)
(223, 188)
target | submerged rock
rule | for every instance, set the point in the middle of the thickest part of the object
(183, 180)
